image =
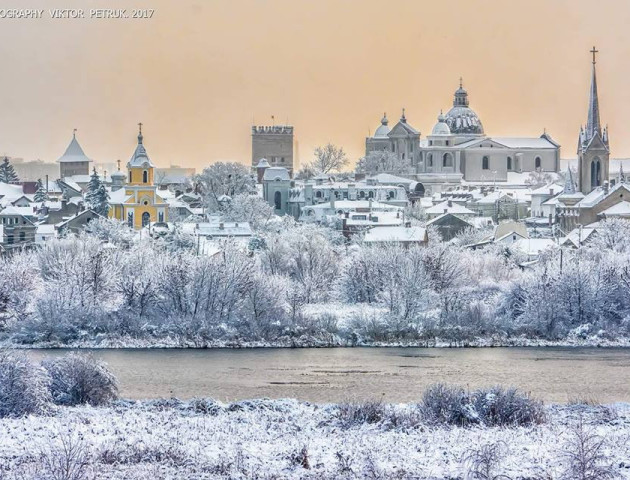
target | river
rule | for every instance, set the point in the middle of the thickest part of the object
(341, 374)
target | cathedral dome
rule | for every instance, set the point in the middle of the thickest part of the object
(441, 128)
(462, 119)
(383, 129)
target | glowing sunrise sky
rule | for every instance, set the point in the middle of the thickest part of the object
(199, 71)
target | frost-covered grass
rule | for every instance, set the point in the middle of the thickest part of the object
(290, 439)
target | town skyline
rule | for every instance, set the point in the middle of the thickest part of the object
(199, 89)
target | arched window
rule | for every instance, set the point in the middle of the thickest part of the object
(146, 218)
(277, 200)
(371, 194)
(318, 194)
(430, 160)
(509, 163)
(145, 177)
(447, 160)
(129, 176)
(485, 163)
(538, 163)
(596, 173)
(361, 194)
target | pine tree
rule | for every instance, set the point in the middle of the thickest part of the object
(41, 195)
(103, 198)
(7, 172)
(97, 197)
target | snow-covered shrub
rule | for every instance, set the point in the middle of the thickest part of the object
(79, 379)
(507, 407)
(352, 414)
(66, 456)
(24, 387)
(490, 407)
(449, 404)
(585, 455)
(483, 462)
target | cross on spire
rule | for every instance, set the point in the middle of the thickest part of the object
(74, 132)
(461, 82)
(118, 162)
(140, 126)
(594, 52)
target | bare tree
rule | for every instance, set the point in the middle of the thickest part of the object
(383, 162)
(219, 179)
(585, 455)
(329, 158)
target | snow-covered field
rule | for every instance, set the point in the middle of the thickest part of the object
(274, 439)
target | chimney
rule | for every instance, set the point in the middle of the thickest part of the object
(450, 203)
(606, 187)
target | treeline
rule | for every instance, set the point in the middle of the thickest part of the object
(303, 285)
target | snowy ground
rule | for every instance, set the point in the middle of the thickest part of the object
(289, 439)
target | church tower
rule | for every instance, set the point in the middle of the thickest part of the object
(593, 149)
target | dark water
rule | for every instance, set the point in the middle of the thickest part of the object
(338, 374)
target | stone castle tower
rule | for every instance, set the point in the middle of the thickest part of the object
(593, 149)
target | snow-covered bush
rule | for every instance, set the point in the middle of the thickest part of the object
(24, 387)
(506, 407)
(356, 414)
(491, 407)
(447, 404)
(78, 379)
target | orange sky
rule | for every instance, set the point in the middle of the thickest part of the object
(200, 70)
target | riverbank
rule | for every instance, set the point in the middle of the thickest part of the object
(122, 342)
(288, 439)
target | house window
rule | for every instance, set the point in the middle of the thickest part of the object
(277, 200)
(447, 160)
(145, 177)
(509, 163)
(161, 216)
(22, 236)
(129, 176)
(146, 218)
(447, 143)
(485, 163)
(371, 194)
(537, 163)
(430, 160)
(10, 239)
(281, 159)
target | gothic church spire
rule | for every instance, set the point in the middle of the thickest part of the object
(593, 124)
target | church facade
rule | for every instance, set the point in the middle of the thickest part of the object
(137, 202)
(458, 149)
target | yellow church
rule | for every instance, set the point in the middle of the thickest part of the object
(137, 201)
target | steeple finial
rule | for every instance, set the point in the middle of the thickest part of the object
(403, 118)
(622, 177)
(461, 82)
(594, 52)
(140, 132)
(74, 133)
(118, 162)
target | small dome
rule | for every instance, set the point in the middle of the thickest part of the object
(441, 128)
(383, 129)
(118, 174)
(263, 163)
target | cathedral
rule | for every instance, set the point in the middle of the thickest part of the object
(137, 202)
(458, 149)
